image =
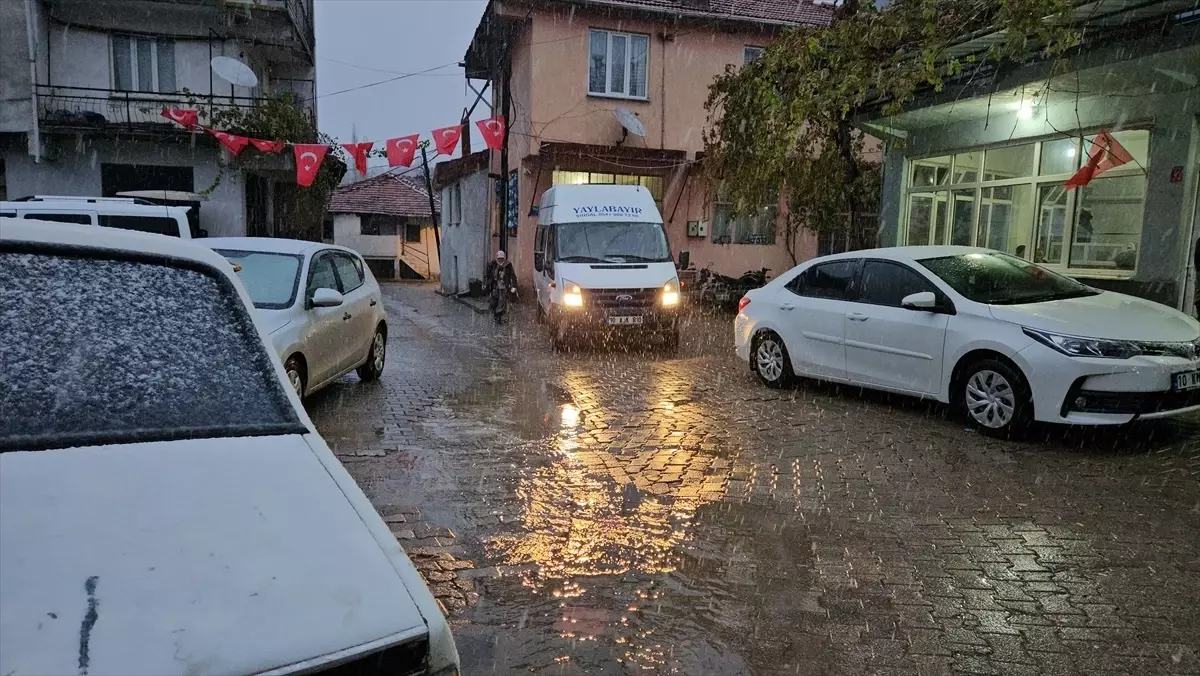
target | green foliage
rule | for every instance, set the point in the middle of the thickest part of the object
(786, 119)
(280, 118)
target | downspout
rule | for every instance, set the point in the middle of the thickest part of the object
(36, 150)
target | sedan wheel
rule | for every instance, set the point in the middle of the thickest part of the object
(770, 360)
(995, 398)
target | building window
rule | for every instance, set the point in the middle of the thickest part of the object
(143, 64)
(456, 204)
(618, 64)
(1013, 198)
(654, 184)
(751, 54)
(757, 227)
(412, 232)
(385, 225)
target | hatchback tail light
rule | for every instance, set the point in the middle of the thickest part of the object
(743, 303)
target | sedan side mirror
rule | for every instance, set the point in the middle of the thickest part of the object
(922, 300)
(326, 298)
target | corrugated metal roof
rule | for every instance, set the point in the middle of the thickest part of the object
(384, 194)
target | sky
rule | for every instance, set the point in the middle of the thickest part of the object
(360, 42)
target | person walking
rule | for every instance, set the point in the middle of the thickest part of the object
(501, 282)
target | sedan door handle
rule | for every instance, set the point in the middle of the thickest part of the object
(787, 306)
(857, 317)
(373, 302)
(346, 316)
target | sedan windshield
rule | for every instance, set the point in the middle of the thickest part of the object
(612, 242)
(271, 279)
(999, 279)
(102, 351)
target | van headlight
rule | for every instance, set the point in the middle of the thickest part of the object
(670, 293)
(572, 294)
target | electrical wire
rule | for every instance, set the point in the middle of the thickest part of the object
(384, 70)
(390, 79)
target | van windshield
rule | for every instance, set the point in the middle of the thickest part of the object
(611, 242)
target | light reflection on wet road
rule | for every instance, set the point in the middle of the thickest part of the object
(626, 513)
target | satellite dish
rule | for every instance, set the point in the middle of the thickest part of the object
(234, 72)
(629, 120)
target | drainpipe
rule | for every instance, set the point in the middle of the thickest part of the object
(33, 101)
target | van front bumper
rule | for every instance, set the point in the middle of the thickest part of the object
(597, 320)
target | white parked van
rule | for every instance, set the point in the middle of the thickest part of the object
(124, 213)
(601, 262)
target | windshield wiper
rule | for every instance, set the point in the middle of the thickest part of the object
(580, 259)
(635, 257)
(1046, 297)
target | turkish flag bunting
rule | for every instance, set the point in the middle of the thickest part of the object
(400, 151)
(184, 116)
(446, 139)
(308, 161)
(234, 143)
(493, 132)
(1106, 153)
(267, 146)
(359, 152)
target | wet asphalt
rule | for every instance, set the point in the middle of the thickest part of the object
(615, 510)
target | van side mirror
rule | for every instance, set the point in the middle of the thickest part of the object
(922, 300)
(539, 260)
(685, 260)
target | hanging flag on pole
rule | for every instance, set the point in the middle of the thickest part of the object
(266, 146)
(232, 142)
(185, 116)
(359, 152)
(493, 132)
(1106, 153)
(400, 151)
(308, 161)
(445, 140)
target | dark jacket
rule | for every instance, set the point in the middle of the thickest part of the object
(494, 275)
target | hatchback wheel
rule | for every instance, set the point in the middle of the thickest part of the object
(995, 398)
(373, 368)
(294, 369)
(769, 359)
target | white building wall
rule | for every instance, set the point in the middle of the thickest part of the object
(347, 232)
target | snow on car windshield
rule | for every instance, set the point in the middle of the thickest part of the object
(99, 350)
(270, 278)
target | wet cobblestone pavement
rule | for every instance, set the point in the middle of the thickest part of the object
(607, 511)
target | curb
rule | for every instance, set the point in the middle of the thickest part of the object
(462, 301)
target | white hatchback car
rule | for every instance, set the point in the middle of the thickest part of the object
(166, 506)
(1002, 339)
(319, 302)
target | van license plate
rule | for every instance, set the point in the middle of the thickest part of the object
(625, 320)
(1185, 380)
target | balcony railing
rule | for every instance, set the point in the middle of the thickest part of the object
(89, 107)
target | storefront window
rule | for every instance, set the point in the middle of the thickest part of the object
(1014, 199)
(652, 183)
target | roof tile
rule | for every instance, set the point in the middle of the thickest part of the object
(384, 194)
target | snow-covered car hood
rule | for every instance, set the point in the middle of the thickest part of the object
(273, 320)
(607, 276)
(208, 556)
(1105, 315)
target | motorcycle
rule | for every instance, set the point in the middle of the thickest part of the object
(723, 291)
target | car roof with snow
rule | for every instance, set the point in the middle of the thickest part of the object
(69, 234)
(269, 245)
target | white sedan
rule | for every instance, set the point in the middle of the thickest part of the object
(1003, 340)
(166, 506)
(319, 302)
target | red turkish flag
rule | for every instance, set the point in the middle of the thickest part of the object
(400, 151)
(184, 116)
(446, 139)
(1106, 154)
(308, 161)
(359, 152)
(493, 132)
(267, 146)
(234, 143)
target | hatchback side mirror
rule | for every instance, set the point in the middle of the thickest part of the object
(326, 298)
(922, 300)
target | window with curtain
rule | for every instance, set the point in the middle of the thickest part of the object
(143, 64)
(618, 64)
(755, 227)
(1013, 198)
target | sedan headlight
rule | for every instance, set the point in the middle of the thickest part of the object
(1075, 346)
(572, 294)
(670, 293)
